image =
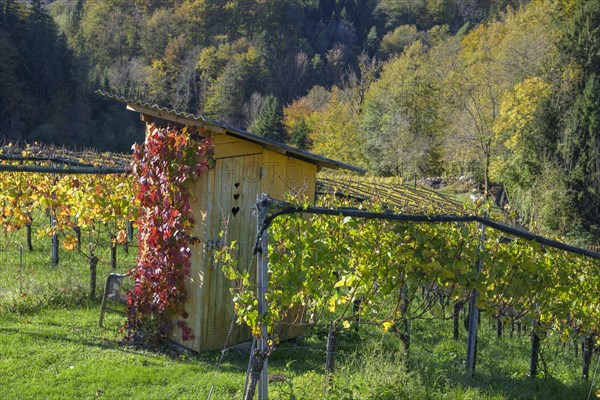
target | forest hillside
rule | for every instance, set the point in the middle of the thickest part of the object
(506, 92)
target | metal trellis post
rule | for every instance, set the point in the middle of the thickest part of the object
(262, 285)
(473, 311)
(53, 224)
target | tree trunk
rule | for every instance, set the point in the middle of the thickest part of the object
(113, 252)
(456, 318)
(499, 326)
(29, 243)
(258, 360)
(55, 241)
(404, 335)
(93, 265)
(512, 329)
(356, 309)
(405, 338)
(486, 175)
(443, 305)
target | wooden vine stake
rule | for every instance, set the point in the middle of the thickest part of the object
(404, 334)
(588, 351)
(21, 269)
(113, 252)
(93, 265)
(458, 305)
(29, 243)
(130, 231)
(126, 245)
(499, 324)
(54, 254)
(535, 350)
(128, 236)
(473, 311)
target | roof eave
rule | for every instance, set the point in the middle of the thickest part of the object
(193, 120)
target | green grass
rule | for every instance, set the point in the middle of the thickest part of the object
(52, 348)
(62, 353)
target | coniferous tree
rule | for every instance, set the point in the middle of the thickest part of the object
(299, 136)
(581, 137)
(269, 122)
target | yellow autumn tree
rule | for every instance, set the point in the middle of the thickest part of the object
(333, 130)
(476, 88)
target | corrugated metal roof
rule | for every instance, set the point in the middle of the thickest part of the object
(183, 117)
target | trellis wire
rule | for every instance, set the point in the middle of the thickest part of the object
(284, 208)
(63, 170)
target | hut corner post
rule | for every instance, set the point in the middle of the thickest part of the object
(262, 286)
(473, 311)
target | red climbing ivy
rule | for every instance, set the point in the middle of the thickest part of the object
(164, 166)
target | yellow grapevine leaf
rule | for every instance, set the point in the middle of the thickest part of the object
(122, 236)
(332, 304)
(387, 325)
(70, 243)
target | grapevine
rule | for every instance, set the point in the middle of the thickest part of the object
(73, 201)
(399, 272)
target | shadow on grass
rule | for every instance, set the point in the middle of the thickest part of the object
(522, 388)
(502, 367)
(435, 359)
(235, 361)
(48, 337)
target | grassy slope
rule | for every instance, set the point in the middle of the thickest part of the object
(52, 348)
(61, 353)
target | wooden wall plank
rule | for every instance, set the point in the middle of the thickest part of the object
(233, 184)
(230, 146)
(287, 175)
(236, 149)
(213, 287)
(249, 189)
(194, 285)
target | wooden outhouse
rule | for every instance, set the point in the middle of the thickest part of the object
(245, 166)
